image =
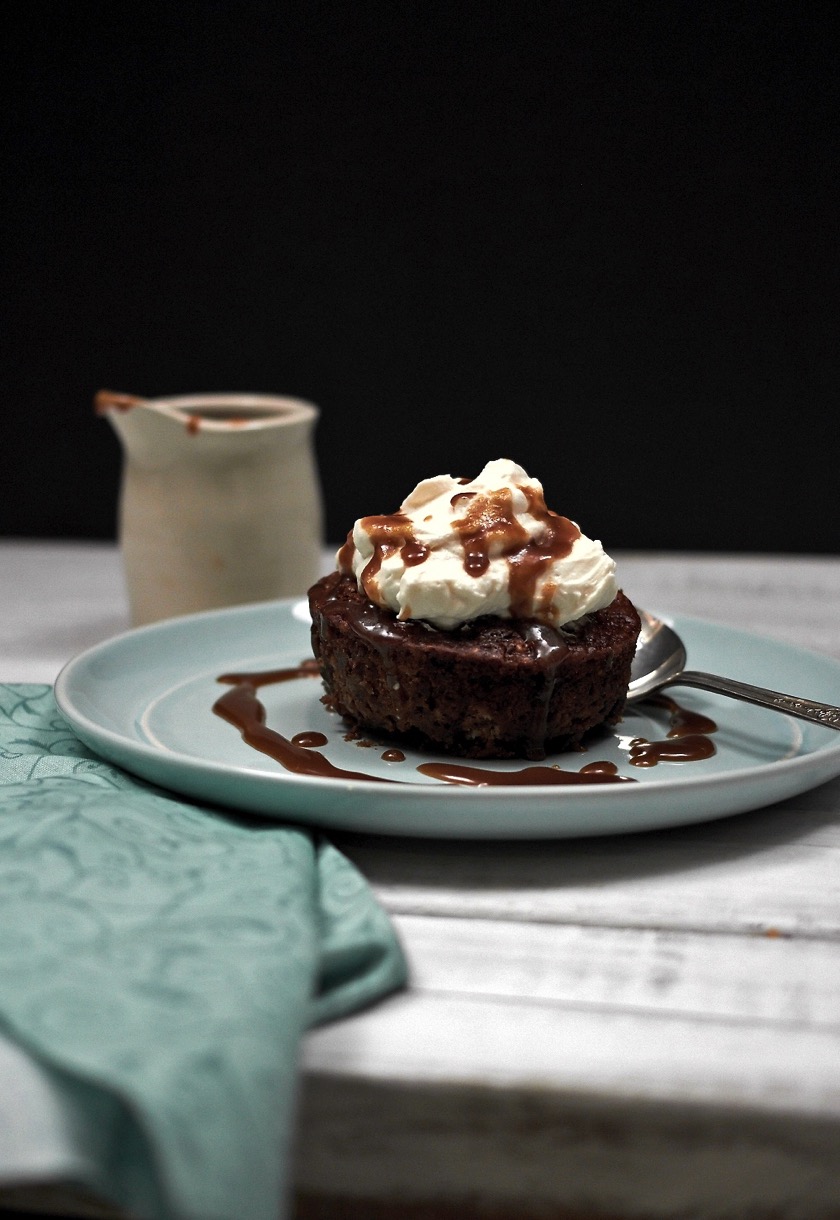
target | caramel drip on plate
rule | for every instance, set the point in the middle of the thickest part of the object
(308, 668)
(309, 739)
(683, 721)
(691, 747)
(687, 739)
(483, 777)
(240, 707)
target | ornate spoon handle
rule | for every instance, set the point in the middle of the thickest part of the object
(805, 709)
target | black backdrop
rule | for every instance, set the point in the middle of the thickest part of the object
(598, 238)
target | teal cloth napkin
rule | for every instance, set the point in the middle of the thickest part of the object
(162, 960)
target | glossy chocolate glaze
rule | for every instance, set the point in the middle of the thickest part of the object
(381, 629)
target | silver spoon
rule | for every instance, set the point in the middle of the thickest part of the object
(660, 661)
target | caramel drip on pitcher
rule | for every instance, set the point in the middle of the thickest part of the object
(109, 400)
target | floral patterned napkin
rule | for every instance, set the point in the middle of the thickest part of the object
(161, 960)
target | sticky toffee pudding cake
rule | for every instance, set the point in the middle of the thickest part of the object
(474, 621)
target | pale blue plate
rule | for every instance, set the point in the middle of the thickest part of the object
(143, 700)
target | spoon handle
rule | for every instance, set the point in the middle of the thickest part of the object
(805, 709)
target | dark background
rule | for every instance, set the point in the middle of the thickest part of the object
(598, 238)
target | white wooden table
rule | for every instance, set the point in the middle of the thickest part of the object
(642, 1026)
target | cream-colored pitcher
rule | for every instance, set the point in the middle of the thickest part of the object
(220, 501)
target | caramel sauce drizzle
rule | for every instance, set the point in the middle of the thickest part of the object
(687, 739)
(110, 400)
(483, 777)
(309, 739)
(308, 668)
(487, 528)
(488, 523)
(683, 721)
(388, 534)
(240, 706)
(344, 558)
(690, 748)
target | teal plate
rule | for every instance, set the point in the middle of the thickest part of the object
(143, 700)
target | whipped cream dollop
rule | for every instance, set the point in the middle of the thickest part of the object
(458, 549)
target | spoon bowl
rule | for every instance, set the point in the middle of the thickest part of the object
(661, 660)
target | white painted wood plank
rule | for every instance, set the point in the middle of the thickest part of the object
(792, 984)
(604, 1055)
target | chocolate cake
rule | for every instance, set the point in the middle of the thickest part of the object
(491, 688)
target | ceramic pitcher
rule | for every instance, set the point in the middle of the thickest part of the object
(220, 501)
